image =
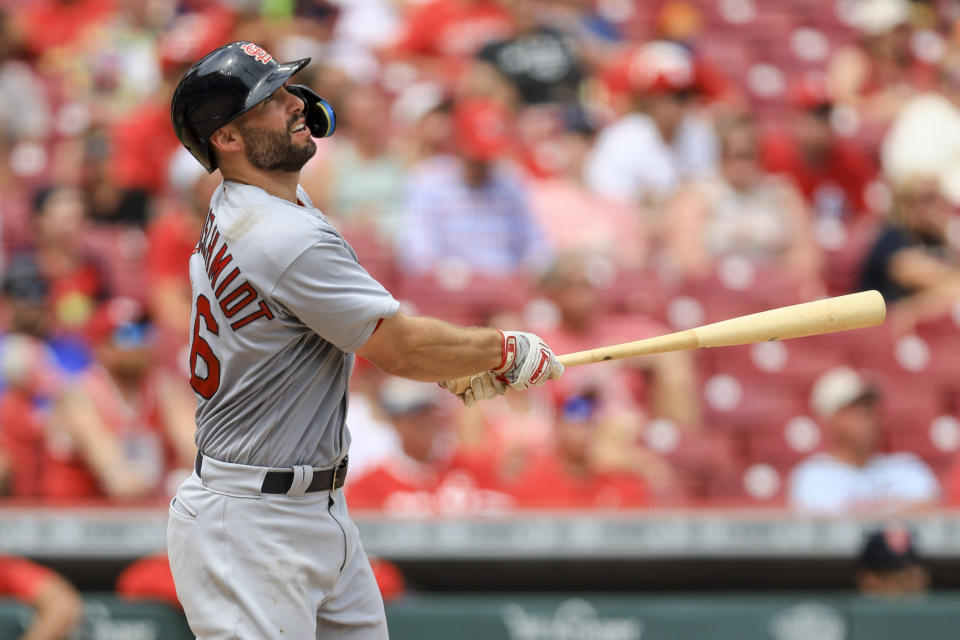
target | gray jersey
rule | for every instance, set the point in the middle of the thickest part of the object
(280, 303)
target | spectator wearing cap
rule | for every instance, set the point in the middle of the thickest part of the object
(574, 475)
(889, 566)
(57, 607)
(924, 139)
(831, 172)
(852, 475)
(470, 209)
(877, 75)
(125, 424)
(913, 261)
(645, 155)
(431, 474)
(743, 212)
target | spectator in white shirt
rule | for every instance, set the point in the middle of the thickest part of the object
(644, 155)
(852, 475)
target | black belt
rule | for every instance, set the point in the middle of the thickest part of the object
(281, 481)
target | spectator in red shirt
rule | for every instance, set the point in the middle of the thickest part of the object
(171, 238)
(57, 605)
(572, 477)
(49, 24)
(125, 424)
(832, 173)
(22, 417)
(432, 474)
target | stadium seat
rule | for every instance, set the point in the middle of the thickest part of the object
(785, 443)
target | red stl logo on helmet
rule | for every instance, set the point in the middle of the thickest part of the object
(257, 52)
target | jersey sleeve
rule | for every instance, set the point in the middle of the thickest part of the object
(327, 289)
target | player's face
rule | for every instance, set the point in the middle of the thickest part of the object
(275, 136)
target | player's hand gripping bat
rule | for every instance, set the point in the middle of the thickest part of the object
(854, 311)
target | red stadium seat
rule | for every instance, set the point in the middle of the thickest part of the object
(749, 403)
(786, 443)
(936, 440)
(375, 255)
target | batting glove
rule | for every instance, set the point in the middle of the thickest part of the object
(483, 386)
(527, 361)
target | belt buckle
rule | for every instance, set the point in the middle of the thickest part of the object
(333, 482)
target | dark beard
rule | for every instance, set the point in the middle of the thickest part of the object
(275, 150)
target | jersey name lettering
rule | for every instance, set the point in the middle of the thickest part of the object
(242, 300)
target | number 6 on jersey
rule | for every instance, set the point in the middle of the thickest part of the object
(200, 348)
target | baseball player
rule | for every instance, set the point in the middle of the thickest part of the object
(259, 538)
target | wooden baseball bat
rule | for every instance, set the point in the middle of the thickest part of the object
(854, 311)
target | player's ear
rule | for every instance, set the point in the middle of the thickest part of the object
(226, 138)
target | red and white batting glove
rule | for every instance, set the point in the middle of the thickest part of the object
(527, 361)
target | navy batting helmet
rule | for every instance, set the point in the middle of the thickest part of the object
(229, 81)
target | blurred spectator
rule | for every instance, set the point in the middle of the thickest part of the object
(373, 439)
(125, 424)
(913, 262)
(30, 377)
(539, 63)
(47, 26)
(852, 475)
(33, 367)
(573, 477)
(26, 293)
(431, 474)
(24, 107)
(359, 179)
(389, 579)
(889, 566)
(744, 212)
(57, 607)
(148, 578)
(876, 76)
(442, 34)
(78, 280)
(141, 145)
(171, 238)
(643, 156)
(577, 219)
(470, 209)
(924, 140)
(424, 117)
(831, 172)
(662, 385)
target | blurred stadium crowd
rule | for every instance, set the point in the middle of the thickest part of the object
(596, 171)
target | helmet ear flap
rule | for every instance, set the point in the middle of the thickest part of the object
(321, 119)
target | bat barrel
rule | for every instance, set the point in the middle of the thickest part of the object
(854, 311)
